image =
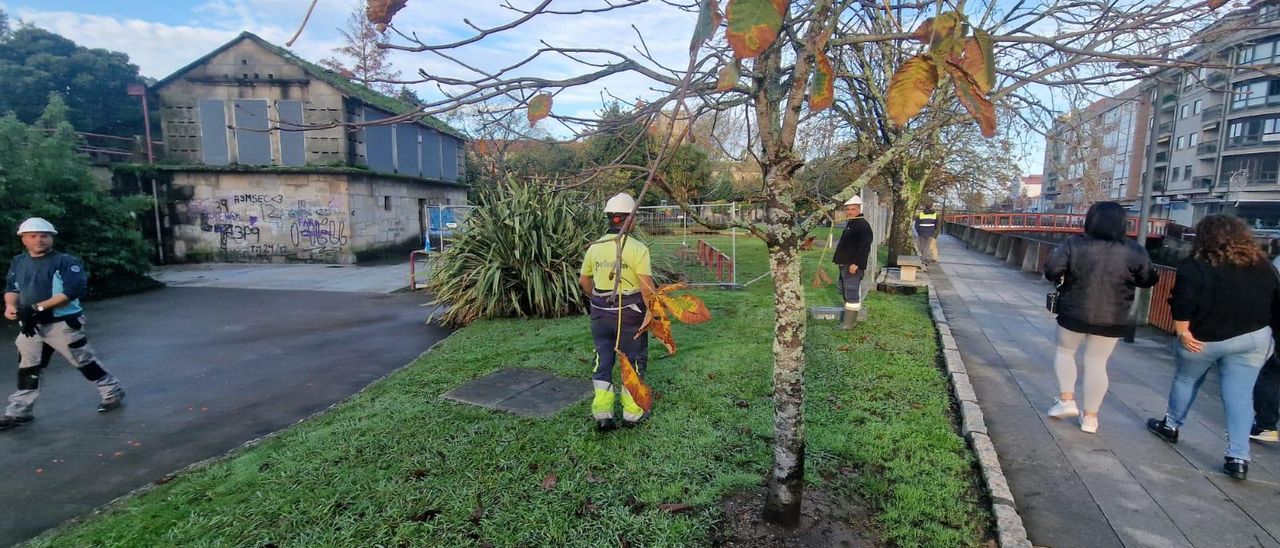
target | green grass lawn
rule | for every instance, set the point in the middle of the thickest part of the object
(397, 465)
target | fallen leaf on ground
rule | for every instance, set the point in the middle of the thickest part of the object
(549, 482)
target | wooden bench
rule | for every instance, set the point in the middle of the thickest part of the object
(908, 266)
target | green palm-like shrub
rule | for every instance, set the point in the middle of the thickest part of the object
(517, 255)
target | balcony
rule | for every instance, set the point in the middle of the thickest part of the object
(1202, 182)
(1162, 157)
(1210, 125)
(1207, 149)
(1169, 98)
(1216, 78)
(1212, 113)
(1166, 128)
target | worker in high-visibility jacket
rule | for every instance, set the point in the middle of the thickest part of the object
(927, 233)
(618, 294)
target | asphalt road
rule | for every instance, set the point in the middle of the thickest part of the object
(206, 370)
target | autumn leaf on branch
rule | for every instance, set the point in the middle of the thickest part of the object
(977, 61)
(969, 94)
(821, 278)
(1215, 4)
(934, 29)
(539, 107)
(664, 306)
(822, 91)
(729, 76)
(709, 19)
(753, 25)
(910, 88)
(639, 391)
(380, 12)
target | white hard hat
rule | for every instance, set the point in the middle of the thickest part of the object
(620, 203)
(36, 224)
(855, 200)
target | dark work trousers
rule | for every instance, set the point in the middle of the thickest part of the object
(1266, 395)
(850, 285)
(604, 332)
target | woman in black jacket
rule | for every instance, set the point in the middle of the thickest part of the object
(1098, 273)
(1225, 299)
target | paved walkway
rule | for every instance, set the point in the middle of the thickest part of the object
(1122, 486)
(206, 370)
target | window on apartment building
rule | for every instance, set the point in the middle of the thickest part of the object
(1176, 172)
(1255, 93)
(1261, 53)
(1196, 107)
(1186, 109)
(1193, 139)
(1186, 172)
(1268, 13)
(1181, 141)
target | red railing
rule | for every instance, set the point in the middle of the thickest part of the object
(1159, 314)
(1044, 222)
(715, 260)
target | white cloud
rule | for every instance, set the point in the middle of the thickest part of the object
(158, 48)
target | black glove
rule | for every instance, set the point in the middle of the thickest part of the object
(41, 316)
(27, 320)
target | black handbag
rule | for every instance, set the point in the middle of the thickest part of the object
(1051, 298)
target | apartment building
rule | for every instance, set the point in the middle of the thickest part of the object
(1214, 143)
(1096, 153)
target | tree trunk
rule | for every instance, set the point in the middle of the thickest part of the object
(786, 481)
(899, 239)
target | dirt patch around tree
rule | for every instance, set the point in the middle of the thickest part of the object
(825, 520)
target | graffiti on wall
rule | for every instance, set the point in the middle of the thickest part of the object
(258, 226)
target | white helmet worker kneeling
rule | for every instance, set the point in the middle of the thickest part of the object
(851, 256)
(618, 292)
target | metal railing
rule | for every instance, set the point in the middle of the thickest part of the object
(1204, 149)
(1045, 222)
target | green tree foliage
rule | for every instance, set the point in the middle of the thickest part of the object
(35, 63)
(518, 255)
(42, 175)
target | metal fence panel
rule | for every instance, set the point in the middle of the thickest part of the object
(681, 249)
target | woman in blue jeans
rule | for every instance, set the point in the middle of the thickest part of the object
(1225, 299)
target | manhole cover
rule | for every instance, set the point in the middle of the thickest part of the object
(525, 392)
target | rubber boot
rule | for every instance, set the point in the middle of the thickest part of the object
(850, 318)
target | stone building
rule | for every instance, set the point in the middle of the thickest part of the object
(270, 158)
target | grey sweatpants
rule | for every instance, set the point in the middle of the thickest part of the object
(1097, 350)
(68, 339)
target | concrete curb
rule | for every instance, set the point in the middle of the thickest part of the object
(1010, 532)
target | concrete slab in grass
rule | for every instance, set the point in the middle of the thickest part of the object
(525, 392)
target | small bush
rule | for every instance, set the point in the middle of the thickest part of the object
(517, 255)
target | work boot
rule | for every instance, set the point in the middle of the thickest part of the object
(635, 423)
(606, 425)
(1236, 468)
(1162, 429)
(109, 403)
(9, 421)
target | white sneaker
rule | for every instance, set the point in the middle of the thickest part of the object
(1089, 424)
(1063, 409)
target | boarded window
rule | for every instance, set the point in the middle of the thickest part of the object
(293, 150)
(407, 149)
(253, 142)
(449, 157)
(431, 154)
(378, 144)
(213, 132)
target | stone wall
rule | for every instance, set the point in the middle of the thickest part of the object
(296, 217)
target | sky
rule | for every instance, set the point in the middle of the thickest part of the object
(163, 36)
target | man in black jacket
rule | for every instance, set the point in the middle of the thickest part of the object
(851, 256)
